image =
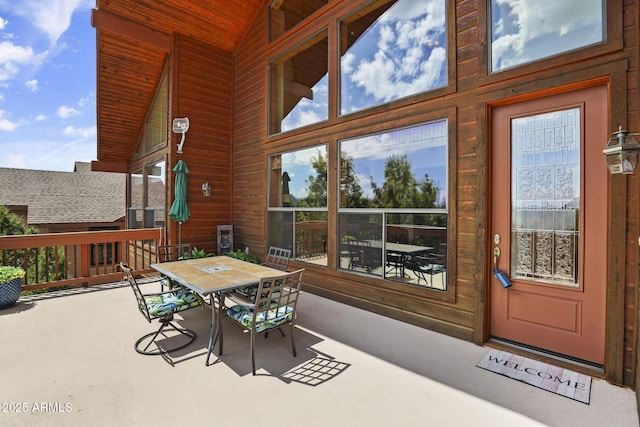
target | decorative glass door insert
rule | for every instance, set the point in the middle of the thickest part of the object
(545, 220)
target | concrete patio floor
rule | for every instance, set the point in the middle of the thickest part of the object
(69, 361)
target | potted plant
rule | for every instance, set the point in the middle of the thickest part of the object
(196, 253)
(10, 285)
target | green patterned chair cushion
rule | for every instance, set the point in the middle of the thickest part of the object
(248, 292)
(170, 302)
(425, 268)
(244, 316)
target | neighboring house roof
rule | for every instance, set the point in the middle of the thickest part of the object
(75, 197)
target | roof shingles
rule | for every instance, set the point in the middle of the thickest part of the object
(54, 197)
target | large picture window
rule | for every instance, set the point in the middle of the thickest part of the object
(393, 215)
(298, 203)
(390, 50)
(298, 86)
(524, 31)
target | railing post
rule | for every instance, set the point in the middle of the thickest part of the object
(85, 256)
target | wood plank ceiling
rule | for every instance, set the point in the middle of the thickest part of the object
(133, 41)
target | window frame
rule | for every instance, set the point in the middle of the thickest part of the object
(294, 209)
(329, 17)
(448, 87)
(613, 42)
(448, 294)
(141, 169)
(272, 89)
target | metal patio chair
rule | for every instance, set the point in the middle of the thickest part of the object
(277, 258)
(275, 306)
(162, 306)
(167, 253)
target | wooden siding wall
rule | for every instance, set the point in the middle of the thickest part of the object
(467, 105)
(202, 91)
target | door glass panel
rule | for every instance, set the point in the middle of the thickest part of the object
(545, 220)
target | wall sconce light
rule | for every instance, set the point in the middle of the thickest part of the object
(181, 125)
(622, 152)
(206, 189)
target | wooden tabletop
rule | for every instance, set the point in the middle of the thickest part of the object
(215, 274)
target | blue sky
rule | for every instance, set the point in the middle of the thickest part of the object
(47, 84)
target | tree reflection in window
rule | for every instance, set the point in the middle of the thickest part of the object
(405, 168)
(393, 217)
(298, 218)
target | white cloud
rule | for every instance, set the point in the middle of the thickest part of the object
(408, 58)
(3, 23)
(13, 57)
(52, 17)
(80, 132)
(40, 118)
(32, 85)
(65, 112)
(523, 21)
(6, 125)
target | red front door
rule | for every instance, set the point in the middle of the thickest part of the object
(548, 225)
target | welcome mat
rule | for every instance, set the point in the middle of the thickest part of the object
(561, 381)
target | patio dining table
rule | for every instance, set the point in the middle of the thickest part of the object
(211, 277)
(404, 251)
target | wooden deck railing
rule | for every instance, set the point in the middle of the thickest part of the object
(79, 259)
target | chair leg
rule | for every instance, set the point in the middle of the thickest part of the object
(266, 334)
(293, 342)
(220, 335)
(253, 356)
(165, 323)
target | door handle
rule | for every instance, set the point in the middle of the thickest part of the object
(498, 274)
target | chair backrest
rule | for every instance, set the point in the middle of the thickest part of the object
(142, 305)
(441, 255)
(276, 299)
(168, 253)
(278, 258)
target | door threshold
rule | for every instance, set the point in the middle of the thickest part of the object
(564, 361)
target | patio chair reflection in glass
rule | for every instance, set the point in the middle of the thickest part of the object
(162, 306)
(274, 307)
(432, 264)
(395, 263)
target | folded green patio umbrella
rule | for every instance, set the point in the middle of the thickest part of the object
(180, 209)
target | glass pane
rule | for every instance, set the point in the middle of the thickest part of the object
(281, 229)
(299, 178)
(546, 197)
(416, 249)
(298, 92)
(136, 201)
(157, 124)
(360, 243)
(286, 14)
(311, 237)
(525, 31)
(156, 195)
(405, 168)
(391, 50)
